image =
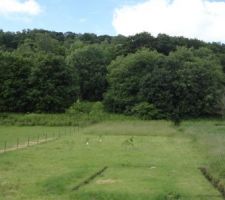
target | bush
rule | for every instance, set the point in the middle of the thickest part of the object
(92, 108)
(145, 111)
(80, 107)
(97, 108)
(97, 111)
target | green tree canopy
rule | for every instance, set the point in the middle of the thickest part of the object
(14, 83)
(188, 82)
(125, 75)
(54, 84)
(90, 64)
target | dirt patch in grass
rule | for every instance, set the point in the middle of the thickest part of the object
(106, 181)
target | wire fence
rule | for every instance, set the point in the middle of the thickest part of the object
(31, 140)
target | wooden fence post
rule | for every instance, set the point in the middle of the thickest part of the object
(5, 146)
(28, 141)
(17, 143)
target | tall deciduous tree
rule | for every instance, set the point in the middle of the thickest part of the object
(125, 75)
(188, 82)
(90, 63)
(14, 83)
(54, 84)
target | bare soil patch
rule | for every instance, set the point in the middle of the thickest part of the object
(106, 181)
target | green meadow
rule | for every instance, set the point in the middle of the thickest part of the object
(145, 160)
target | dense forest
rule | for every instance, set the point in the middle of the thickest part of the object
(152, 77)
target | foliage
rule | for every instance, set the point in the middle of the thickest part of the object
(41, 84)
(80, 107)
(145, 111)
(14, 83)
(95, 110)
(188, 82)
(90, 63)
(125, 75)
(54, 84)
(97, 107)
(46, 71)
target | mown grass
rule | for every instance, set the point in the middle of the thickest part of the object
(11, 136)
(161, 163)
(133, 128)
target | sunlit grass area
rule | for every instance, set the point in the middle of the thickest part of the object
(145, 160)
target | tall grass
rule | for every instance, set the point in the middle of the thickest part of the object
(209, 138)
(65, 119)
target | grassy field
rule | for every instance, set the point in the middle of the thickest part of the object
(209, 137)
(11, 135)
(145, 160)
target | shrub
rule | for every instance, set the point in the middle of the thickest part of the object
(80, 107)
(145, 111)
(97, 108)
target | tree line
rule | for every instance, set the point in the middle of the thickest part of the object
(152, 77)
